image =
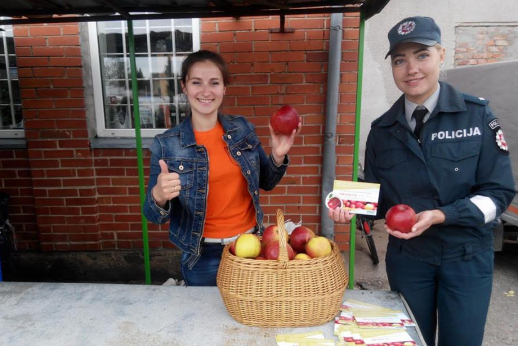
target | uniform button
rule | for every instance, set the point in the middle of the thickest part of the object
(229, 136)
(180, 167)
(456, 169)
(248, 172)
(238, 153)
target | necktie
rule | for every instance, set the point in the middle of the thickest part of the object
(419, 114)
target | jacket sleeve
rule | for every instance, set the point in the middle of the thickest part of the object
(269, 173)
(494, 189)
(371, 174)
(152, 211)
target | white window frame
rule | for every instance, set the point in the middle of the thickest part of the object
(101, 129)
(9, 134)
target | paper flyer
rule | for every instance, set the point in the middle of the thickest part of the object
(356, 197)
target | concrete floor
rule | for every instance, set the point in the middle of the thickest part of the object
(502, 323)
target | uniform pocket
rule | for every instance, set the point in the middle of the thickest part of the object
(456, 151)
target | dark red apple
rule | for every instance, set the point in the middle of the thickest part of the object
(271, 251)
(232, 248)
(299, 237)
(401, 218)
(285, 120)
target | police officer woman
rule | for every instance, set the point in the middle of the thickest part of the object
(443, 153)
(206, 172)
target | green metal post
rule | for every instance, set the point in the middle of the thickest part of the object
(140, 160)
(352, 240)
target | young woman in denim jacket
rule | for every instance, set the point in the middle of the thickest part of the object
(444, 154)
(206, 172)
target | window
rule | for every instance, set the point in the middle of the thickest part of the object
(160, 47)
(11, 120)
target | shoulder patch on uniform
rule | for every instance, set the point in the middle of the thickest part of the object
(498, 135)
(478, 100)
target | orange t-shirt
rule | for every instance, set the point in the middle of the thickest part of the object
(230, 210)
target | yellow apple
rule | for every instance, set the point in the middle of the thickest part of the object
(318, 247)
(302, 256)
(248, 246)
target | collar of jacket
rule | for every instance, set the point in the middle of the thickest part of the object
(450, 101)
(186, 131)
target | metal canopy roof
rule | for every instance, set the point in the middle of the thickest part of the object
(56, 11)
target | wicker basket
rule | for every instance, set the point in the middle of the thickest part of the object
(282, 293)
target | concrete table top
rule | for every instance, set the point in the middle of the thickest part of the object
(78, 314)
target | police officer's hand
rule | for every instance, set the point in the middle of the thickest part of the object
(340, 215)
(281, 144)
(425, 220)
(167, 186)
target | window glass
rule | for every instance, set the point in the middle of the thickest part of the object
(11, 120)
(160, 47)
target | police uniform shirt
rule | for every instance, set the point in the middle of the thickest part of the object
(430, 104)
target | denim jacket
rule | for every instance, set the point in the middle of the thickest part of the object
(178, 148)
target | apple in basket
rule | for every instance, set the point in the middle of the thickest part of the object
(271, 233)
(248, 246)
(232, 248)
(271, 251)
(318, 247)
(302, 256)
(299, 237)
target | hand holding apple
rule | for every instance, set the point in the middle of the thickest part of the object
(425, 220)
(401, 217)
(283, 141)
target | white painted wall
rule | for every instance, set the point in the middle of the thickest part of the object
(379, 91)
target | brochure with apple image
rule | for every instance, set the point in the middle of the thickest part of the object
(356, 197)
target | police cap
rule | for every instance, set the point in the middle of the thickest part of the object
(421, 30)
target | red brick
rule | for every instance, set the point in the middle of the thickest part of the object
(266, 24)
(47, 51)
(287, 78)
(291, 56)
(20, 31)
(303, 89)
(64, 41)
(52, 93)
(235, 25)
(28, 103)
(65, 62)
(35, 83)
(30, 41)
(70, 29)
(253, 100)
(269, 67)
(306, 45)
(218, 37)
(69, 103)
(271, 46)
(235, 47)
(253, 57)
(288, 36)
(266, 89)
(252, 36)
(30, 62)
(240, 68)
(44, 30)
(72, 51)
(23, 51)
(74, 72)
(304, 67)
(208, 26)
(25, 72)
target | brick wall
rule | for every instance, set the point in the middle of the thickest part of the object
(481, 44)
(69, 197)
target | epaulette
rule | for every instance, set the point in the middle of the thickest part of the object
(478, 100)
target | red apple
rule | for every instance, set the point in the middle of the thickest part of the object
(318, 247)
(248, 246)
(334, 203)
(401, 218)
(271, 233)
(232, 248)
(299, 237)
(271, 251)
(285, 120)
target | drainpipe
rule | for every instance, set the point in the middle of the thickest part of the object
(333, 82)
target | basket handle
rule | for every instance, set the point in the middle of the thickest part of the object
(281, 228)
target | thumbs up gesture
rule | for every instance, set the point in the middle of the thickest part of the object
(167, 186)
